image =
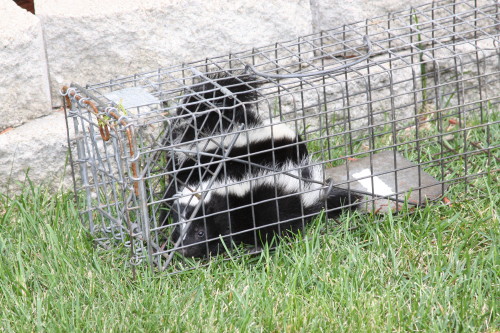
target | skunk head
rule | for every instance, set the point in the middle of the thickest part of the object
(200, 230)
(203, 237)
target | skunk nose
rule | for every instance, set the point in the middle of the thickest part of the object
(193, 252)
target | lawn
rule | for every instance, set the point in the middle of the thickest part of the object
(433, 269)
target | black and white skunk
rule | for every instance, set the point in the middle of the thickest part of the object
(261, 181)
(217, 123)
(254, 209)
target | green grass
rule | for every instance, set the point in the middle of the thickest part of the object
(434, 269)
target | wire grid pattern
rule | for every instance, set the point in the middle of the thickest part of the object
(430, 77)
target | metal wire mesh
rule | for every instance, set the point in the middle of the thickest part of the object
(160, 153)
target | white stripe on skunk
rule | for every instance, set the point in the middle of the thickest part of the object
(276, 132)
(288, 178)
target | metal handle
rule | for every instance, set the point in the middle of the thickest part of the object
(366, 42)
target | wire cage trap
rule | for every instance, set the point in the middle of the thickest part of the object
(191, 160)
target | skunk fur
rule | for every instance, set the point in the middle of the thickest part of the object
(243, 150)
(253, 210)
(246, 202)
(207, 109)
(209, 121)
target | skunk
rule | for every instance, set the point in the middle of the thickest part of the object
(253, 210)
(235, 175)
(240, 151)
(217, 123)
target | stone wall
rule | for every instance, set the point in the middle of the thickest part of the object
(94, 41)
(90, 41)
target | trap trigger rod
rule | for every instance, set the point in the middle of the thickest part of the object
(223, 89)
(366, 42)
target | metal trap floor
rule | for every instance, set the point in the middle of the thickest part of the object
(387, 180)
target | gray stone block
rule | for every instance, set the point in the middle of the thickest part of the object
(92, 41)
(24, 84)
(38, 149)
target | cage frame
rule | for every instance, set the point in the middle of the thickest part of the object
(335, 57)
